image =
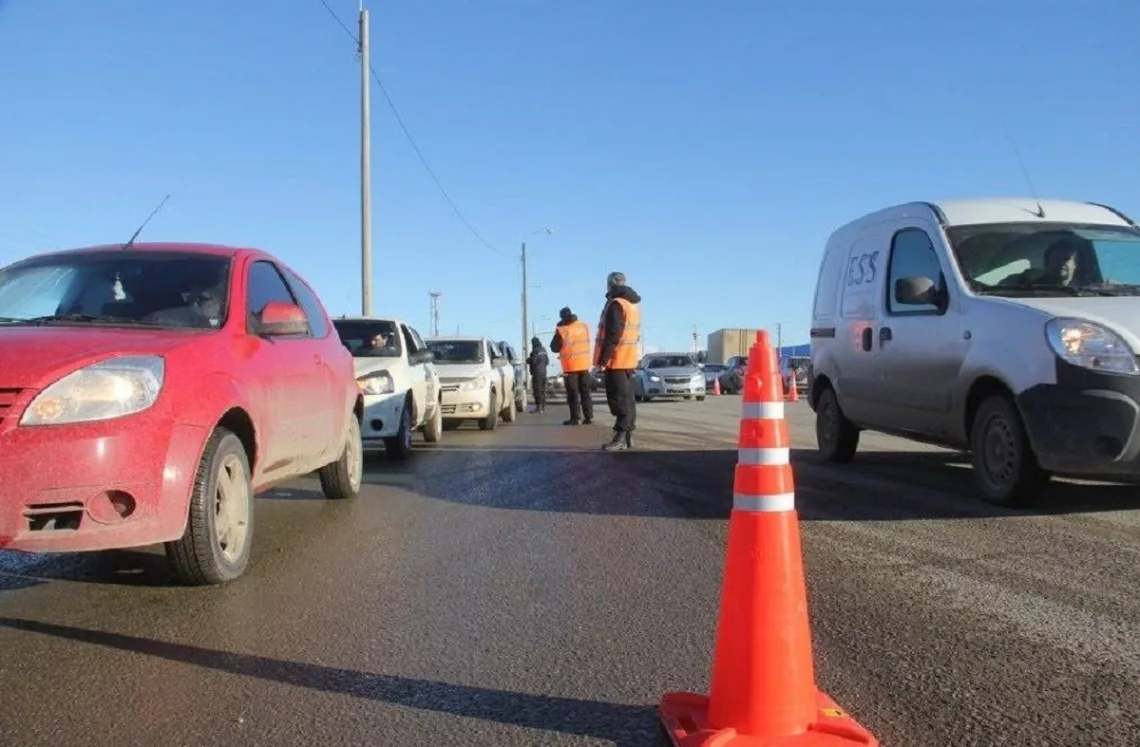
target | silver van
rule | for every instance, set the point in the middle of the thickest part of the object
(1004, 327)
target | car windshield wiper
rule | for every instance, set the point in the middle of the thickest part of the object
(95, 318)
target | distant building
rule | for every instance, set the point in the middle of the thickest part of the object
(725, 343)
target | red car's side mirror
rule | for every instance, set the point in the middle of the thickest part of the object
(280, 319)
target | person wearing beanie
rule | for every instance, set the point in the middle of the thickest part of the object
(571, 342)
(538, 361)
(617, 348)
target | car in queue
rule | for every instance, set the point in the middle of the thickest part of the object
(476, 381)
(795, 371)
(399, 382)
(517, 365)
(668, 375)
(713, 373)
(149, 391)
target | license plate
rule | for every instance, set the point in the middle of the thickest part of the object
(678, 390)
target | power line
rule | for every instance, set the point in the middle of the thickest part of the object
(411, 140)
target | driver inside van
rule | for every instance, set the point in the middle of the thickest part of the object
(1061, 262)
(1060, 266)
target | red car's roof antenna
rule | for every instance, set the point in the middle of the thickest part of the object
(131, 241)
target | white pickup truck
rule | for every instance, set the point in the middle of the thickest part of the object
(478, 382)
(401, 387)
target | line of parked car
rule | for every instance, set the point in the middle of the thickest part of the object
(411, 384)
(794, 370)
(149, 391)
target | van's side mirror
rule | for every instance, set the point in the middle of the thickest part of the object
(916, 291)
(499, 362)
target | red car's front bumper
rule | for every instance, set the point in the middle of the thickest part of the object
(93, 486)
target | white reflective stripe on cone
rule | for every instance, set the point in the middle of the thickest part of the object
(764, 503)
(763, 411)
(772, 456)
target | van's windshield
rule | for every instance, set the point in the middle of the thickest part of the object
(1050, 259)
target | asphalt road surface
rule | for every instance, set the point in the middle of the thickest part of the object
(522, 588)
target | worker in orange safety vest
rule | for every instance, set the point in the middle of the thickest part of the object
(616, 351)
(572, 343)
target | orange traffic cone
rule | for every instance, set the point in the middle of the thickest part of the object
(794, 392)
(716, 387)
(763, 690)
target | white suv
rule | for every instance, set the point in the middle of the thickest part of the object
(477, 381)
(401, 387)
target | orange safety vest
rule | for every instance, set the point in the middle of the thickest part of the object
(574, 355)
(625, 353)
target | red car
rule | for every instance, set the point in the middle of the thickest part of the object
(148, 392)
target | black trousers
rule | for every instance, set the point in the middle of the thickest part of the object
(538, 389)
(619, 396)
(578, 395)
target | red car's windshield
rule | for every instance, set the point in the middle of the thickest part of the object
(166, 289)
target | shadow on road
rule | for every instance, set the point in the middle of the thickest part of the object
(624, 725)
(117, 567)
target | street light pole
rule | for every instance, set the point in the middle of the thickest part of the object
(525, 340)
(365, 168)
(526, 368)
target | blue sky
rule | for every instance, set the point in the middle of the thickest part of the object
(705, 149)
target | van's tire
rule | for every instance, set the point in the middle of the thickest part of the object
(490, 422)
(399, 446)
(700, 398)
(1005, 467)
(222, 484)
(510, 411)
(341, 480)
(836, 437)
(433, 428)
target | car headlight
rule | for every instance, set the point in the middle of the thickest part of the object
(474, 384)
(698, 377)
(109, 389)
(654, 377)
(379, 382)
(1083, 343)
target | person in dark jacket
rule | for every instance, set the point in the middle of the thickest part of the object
(538, 361)
(571, 342)
(616, 351)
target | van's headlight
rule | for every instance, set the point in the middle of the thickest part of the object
(1090, 345)
(108, 389)
(379, 382)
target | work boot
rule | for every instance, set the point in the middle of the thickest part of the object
(587, 421)
(618, 443)
(572, 421)
(629, 439)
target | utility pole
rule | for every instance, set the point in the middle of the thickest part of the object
(779, 343)
(696, 346)
(365, 167)
(435, 313)
(525, 341)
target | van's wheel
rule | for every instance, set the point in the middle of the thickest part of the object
(836, 437)
(219, 524)
(1005, 467)
(399, 446)
(340, 480)
(433, 428)
(490, 422)
(510, 413)
(700, 398)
